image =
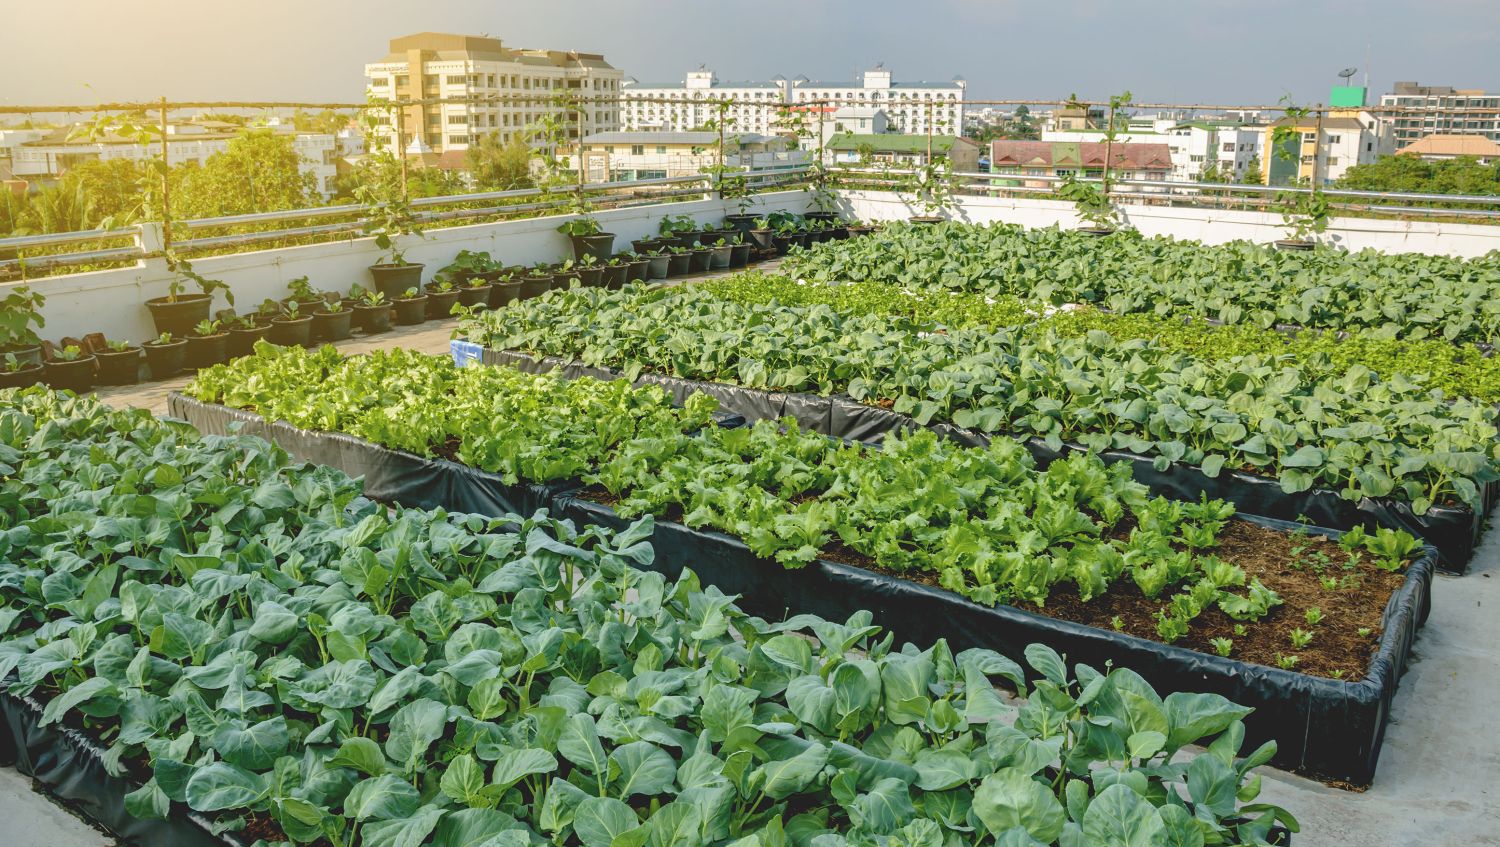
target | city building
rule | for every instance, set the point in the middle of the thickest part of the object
(912, 107)
(513, 90)
(1466, 111)
(1325, 148)
(1441, 147)
(618, 156)
(1222, 149)
(690, 104)
(1073, 158)
(903, 150)
(50, 156)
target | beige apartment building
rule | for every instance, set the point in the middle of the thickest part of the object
(514, 87)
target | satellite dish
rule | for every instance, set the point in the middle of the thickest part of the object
(1347, 72)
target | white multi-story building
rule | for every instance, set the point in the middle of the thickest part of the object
(653, 154)
(1442, 109)
(693, 103)
(1321, 151)
(51, 156)
(1201, 147)
(912, 107)
(511, 89)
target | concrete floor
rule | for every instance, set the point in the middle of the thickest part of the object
(1436, 779)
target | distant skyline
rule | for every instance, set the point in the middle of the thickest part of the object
(89, 51)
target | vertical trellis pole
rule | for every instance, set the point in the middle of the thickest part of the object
(1109, 142)
(166, 183)
(401, 146)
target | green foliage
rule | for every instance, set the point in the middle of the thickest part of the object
(20, 310)
(269, 643)
(1464, 175)
(1371, 437)
(497, 165)
(1409, 296)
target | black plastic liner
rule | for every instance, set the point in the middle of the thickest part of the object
(70, 765)
(1322, 727)
(1454, 531)
(389, 475)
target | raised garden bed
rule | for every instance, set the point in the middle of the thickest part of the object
(1453, 530)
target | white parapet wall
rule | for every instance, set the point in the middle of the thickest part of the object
(113, 301)
(1211, 226)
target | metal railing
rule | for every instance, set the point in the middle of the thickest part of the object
(601, 195)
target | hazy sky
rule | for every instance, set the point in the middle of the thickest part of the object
(86, 51)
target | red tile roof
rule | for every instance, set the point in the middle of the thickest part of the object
(1076, 154)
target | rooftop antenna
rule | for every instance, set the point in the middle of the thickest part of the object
(1346, 73)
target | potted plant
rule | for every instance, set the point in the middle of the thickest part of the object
(635, 266)
(374, 312)
(699, 258)
(441, 295)
(165, 356)
(411, 307)
(586, 237)
(614, 272)
(506, 288)
(679, 260)
(931, 188)
(565, 274)
(19, 312)
(590, 272)
(760, 234)
(206, 346)
(244, 331)
(681, 229)
(474, 292)
(658, 263)
(304, 295)
(333, 321)
(720, 255)
(1093, 208)
(19, 373)
(858, 228)
(786, 237)
(536, 282)
(647, 245)
(119, 363)
(1304, 216)
(179, 313)
(467, 265)
(389, 218)
(739, 252)
(70, 368)
(291, 328)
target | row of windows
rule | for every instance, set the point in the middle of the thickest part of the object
(511, 81)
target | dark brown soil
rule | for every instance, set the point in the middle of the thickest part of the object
(1291, 564)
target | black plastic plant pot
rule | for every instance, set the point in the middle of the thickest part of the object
(685, 240)
(740, 223)
(393, 280)
(504, 292)
(719, 258)
(1097, 231)
(77, 375)
(373, 319)
(614, 276)
(119, 367)
(563, 280)
(474, 295)
(636, 271)
(821, 216)
(592, 277)
(763, 238)
(1294, 245)
(783, 243)
(739, 255)
(857, 231)
(925, 219)
(180, 316)
(440, 303)
(291, 332)
(699, 259)
(535, 285)
(647, 245)
(207, 350)
(411, 311)
(27, 375)
(242, 339)
(164, 360)
(838, 233)
(26, 354)
(1323, 727)
(679, 264)
(332, 326)
(599, 244)
(657, 267)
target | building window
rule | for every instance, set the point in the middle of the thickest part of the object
(458, 119)
(452, 79)
(637, 149)
(1334, 139)
(458, 139)
(661, 149)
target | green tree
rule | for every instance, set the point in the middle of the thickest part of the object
(1253, 175)
(1463, 175)
(118, 188)
(499, 165)
(260, 172)
(64, 206)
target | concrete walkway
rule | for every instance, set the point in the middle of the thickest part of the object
(1436, 780)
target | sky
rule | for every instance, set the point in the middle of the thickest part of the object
(1180, 51)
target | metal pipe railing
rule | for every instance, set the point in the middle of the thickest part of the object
(21, 242)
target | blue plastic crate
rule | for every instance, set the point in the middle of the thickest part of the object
(464, 352)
